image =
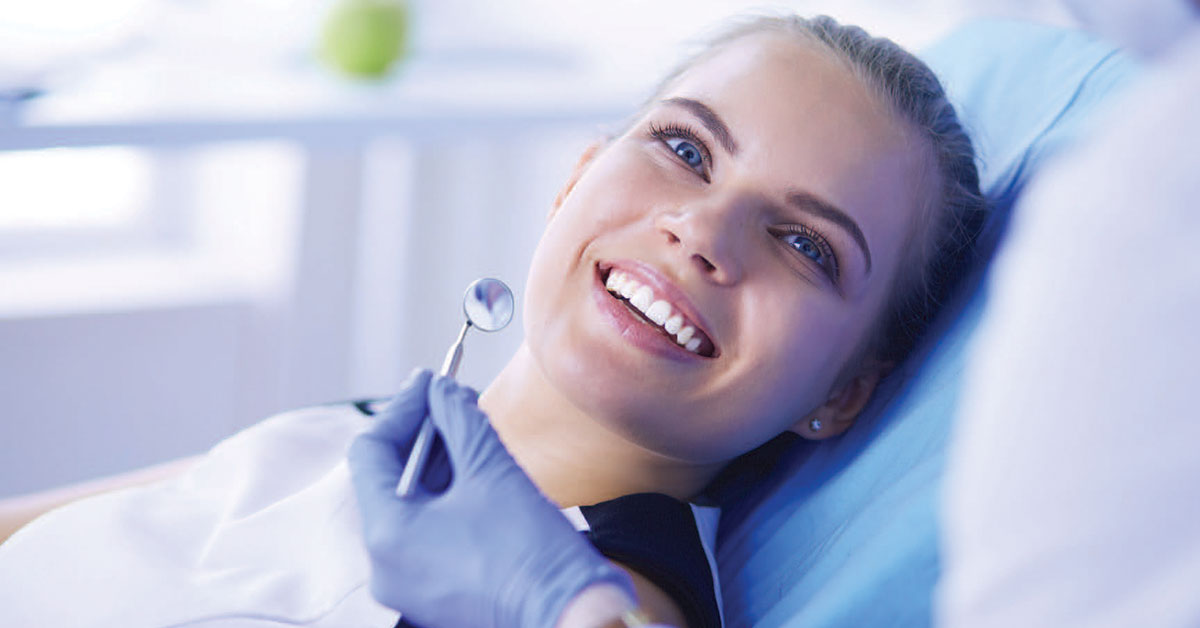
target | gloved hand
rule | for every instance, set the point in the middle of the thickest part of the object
(489, 550)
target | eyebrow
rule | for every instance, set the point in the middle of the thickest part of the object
(813, 205)
(710, 119)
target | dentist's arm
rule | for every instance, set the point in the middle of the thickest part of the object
(487, 550)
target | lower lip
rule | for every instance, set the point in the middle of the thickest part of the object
(634, 329)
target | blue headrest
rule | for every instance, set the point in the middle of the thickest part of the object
(844, 532)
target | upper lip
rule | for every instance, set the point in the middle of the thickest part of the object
(663, 288)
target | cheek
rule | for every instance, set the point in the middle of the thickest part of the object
(630, 176)
(621, 185)
(795, 322)
(802, 344)
(786, 365)
(601, 203)
(554, 264)
(617, 190)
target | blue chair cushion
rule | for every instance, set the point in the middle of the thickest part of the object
(844, 532)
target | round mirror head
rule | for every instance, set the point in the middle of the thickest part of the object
(488, 304)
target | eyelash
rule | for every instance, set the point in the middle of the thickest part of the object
(831, 267)
(683, 132)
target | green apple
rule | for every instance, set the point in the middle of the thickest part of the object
(364, 37)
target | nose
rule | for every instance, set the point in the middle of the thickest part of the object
(708, 237)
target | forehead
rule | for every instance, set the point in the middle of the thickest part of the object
(803, 119)
(768, 81)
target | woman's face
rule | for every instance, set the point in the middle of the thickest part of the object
(764, 198)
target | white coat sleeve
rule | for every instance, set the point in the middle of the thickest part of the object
(1072, 492)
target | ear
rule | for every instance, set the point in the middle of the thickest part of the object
(842, 408)
(585, 159)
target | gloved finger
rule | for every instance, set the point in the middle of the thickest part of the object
(376, 457)
(377, 465)
(468, 436)
(402, 418)
(375, 468)
(438, 474)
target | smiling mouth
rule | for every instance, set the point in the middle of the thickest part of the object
(656, 311)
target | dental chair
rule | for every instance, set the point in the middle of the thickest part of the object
(844, 532)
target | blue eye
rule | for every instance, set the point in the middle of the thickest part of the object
(806, 246)
(812, 245)
(686, 151)
(686, 145)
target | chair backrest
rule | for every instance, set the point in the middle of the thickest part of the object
(844, 532)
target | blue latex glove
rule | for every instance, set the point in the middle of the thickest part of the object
(489, 549)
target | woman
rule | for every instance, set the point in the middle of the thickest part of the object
(748, 258)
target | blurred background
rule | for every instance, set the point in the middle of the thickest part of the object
(205, 219)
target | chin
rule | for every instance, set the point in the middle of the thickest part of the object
(634, 410)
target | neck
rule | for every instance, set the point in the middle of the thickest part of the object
(574, 458)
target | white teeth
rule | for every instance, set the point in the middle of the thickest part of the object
(628, 287)
(614, 281)
(658, 312)
(642, 298)
(673, 324)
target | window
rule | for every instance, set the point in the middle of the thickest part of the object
(72, 187)
(57, 200)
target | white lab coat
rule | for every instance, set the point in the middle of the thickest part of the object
(1072, 491)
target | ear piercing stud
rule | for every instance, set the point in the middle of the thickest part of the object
(815, 425)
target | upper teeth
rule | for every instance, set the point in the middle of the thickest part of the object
(657, 310)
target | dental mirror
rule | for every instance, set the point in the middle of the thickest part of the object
(488, 305)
